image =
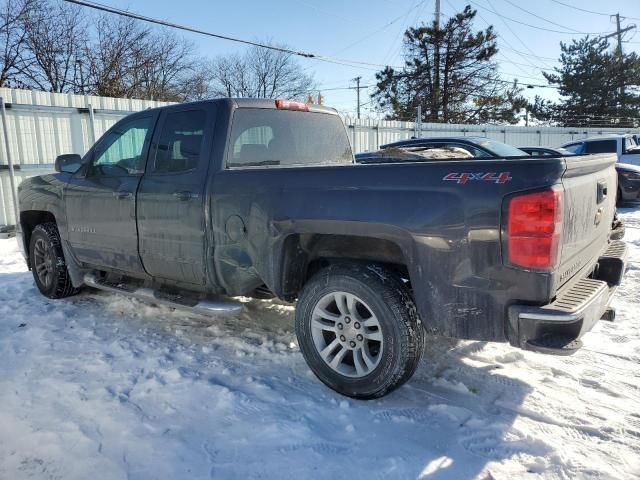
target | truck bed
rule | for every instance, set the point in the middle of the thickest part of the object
(446, 231)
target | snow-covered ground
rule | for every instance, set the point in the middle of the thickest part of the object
(100, 386)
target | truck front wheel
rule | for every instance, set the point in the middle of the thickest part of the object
(358, 329)
(47, 262)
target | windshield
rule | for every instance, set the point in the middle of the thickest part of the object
(500, 149)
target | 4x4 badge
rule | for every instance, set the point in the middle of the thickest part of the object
(462, 178)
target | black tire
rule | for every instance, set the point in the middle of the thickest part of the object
(389, 300)
(619, 198)
(45, 243)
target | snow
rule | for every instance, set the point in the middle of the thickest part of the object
(103, 386)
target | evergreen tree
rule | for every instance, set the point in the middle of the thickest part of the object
(450, 72)
(599, 87)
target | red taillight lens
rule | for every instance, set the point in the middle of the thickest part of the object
(289, 105)
(534, 229)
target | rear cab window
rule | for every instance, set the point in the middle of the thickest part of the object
(285, 138)
(601, 146)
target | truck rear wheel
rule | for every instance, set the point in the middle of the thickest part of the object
(47, 262)
(358, 330)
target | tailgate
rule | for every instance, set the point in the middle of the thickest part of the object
(590, 184)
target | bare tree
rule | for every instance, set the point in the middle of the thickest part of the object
(111, 61)
(55, 35)
(13, 14)
(167, 63)
(259, 73)
(277, 74)
(51, 45)
(194, 85)
(130, 60)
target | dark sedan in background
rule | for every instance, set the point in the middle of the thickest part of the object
(441, 148)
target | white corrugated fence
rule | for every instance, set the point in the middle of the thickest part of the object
(43, 125)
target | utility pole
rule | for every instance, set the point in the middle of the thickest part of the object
(618, 33)
(435, 102)
(619, 53)
(357, 79)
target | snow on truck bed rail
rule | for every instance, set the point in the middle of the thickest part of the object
(102, 386)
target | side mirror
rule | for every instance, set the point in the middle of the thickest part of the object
(69, 163)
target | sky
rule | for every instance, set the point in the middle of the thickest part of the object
(371, 31)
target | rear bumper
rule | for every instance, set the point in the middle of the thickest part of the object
(556, 328)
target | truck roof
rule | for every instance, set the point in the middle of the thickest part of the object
(609, 136)
(251, 103)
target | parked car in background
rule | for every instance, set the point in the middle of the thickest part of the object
(624, 146)
(628, 175)
(441, 148)
(628, 183)
(545, 151)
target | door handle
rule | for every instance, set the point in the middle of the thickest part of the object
(122, 194)
(185, 195)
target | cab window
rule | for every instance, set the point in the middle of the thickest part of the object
(180, 143)
(121, 151)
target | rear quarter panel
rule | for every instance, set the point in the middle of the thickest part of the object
(448, 231)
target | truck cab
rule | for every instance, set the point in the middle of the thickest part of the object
(624, 146)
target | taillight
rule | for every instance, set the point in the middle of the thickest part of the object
(534, 229)
(289, 105)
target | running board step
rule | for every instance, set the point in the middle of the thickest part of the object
(203, 307)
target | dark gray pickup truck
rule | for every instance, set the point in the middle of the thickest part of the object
(192, 204)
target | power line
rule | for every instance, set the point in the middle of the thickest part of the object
(384, 27)
(590, 11)
(351, 63)
(523, 55)
(539, 17)
(523, 76)
(525, 45)
(116, 11)
(392, 51)
(527, 65)
(533, 26)
(124, 13)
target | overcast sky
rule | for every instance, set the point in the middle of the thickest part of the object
(371, 31)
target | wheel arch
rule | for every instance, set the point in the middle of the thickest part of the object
(304, 254)
(29, 219)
